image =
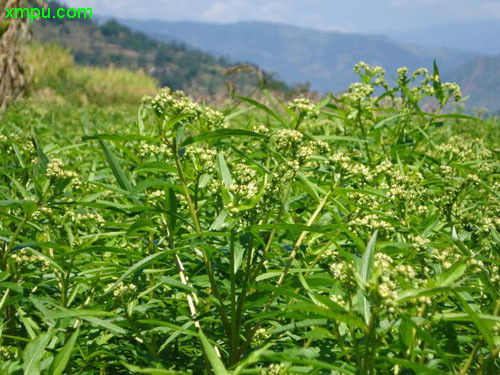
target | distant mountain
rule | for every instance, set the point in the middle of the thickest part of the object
(482, 37)
(480, 78)
(172, 63)
(325, 59)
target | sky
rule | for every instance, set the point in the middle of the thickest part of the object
(341, 15)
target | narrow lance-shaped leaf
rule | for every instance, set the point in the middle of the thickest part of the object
(62, 358)
(365, 268)
(216, 363)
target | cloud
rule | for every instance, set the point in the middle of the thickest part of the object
(492, 8)
(352, 15)
(227, 11)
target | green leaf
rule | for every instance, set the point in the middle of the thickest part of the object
(263, 107)
(105, 324)
(170, 123)
(365, 270)
(140, 265)
(142, 225)
(33, 353)
(120, 176)
(295, 227)
(118, 137)
(427, 338)
(220, 134)
(217, 365)
(339, 315)
(483, 327)
(438, 87)
(224, 170)
(151, 371)
(281, 357)
(451, 275)
(62, 358)
(418, 368)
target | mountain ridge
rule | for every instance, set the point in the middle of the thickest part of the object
(481, 36)
(297, 54)
(173, 64)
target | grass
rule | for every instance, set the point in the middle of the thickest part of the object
(355, 235)
(56, 77)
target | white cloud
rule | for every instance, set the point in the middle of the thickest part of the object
(352, 15)
(492, 8)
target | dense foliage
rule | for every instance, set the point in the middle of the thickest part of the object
(356, 235)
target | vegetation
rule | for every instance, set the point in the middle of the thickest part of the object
(355, 235)
(172, 64)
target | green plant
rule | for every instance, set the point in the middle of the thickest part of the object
(356, 235)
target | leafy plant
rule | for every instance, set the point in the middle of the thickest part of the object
(355, 235)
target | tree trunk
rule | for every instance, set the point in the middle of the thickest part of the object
(12, 74)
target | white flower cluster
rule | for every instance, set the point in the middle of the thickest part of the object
(304, 107)
(421, 243)
(122, 290)
(261, 335)
(402, 73)
(92, 217)
(24, 258)
(286, 140)
(340, 159)
(338, 299)
(407, 271)
(155, 194)
(42, 211)
(475, 264)
(274, 369)
(383, 167)
(148, 149)
(489, 224)
(55, 169)
(382, 261)
(8, 352)
(168, 103)
(204, 159)
(375, 72)
(453, 90)
(341, 271)
(447, 257)
(261, 129)
(371, 222)
(304, 152)
(244, 185)
(359, 91)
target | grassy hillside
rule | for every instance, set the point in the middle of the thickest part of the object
(480, 78)
(55, 77)
(172, 64)
(325, 59)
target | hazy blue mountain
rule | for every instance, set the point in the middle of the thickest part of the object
(480, 78)
(325, 59)
(482, 37)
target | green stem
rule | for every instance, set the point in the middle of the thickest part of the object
(197, 228)
(13, 240)
(234, 323)
(368, 366)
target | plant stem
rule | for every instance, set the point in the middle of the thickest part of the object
(234, 322)
(283, 275)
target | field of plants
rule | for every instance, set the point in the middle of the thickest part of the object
(357, 235)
